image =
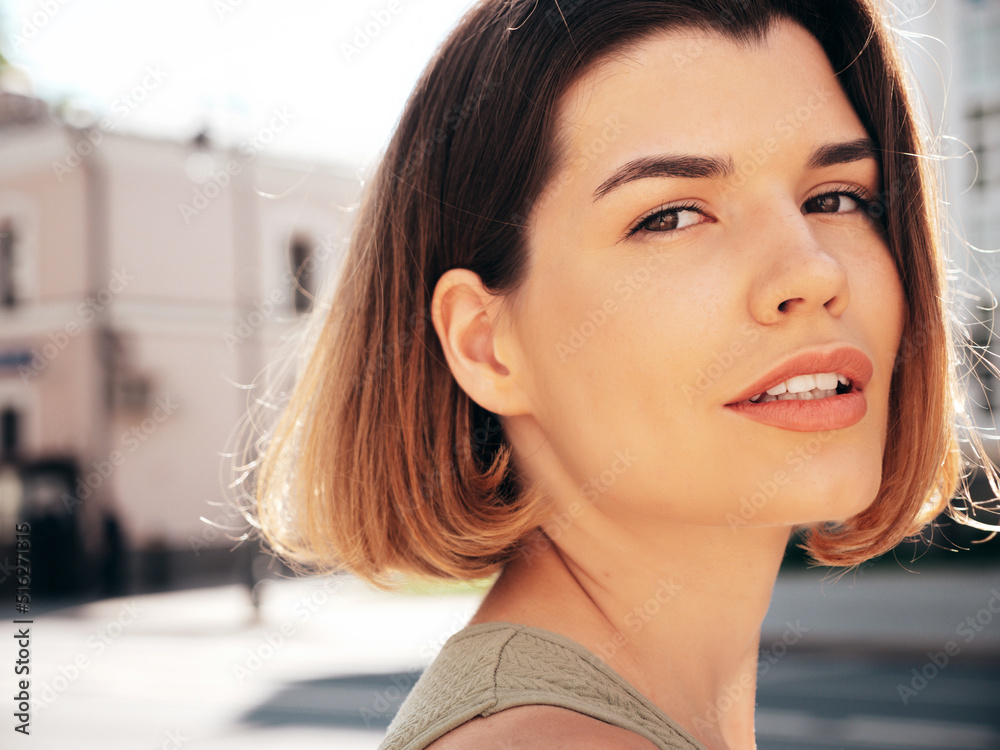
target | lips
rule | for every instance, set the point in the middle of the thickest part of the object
(847, 360)
(831, 413)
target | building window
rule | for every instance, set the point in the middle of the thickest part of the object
(980, 34)
(8, 293)
(302, 281)
(980, 358)
(984, 139)
(980, 29)
(10, 437)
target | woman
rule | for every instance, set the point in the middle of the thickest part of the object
(638, 288)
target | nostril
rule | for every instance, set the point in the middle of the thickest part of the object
(790, 303)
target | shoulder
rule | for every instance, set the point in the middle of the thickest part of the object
(539, 726)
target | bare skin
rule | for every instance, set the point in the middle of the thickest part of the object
(550, 727)
(657, 563)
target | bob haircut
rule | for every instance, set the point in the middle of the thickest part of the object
(380, 463)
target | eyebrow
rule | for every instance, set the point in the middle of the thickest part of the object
(713, 167)
(842, 153)
(667, 165)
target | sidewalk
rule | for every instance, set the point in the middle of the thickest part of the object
(193, 669)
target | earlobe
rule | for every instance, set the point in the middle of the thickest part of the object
(466, 318)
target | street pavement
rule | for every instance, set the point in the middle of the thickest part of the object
(879, 659)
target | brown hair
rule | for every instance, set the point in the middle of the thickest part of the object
(380, 462)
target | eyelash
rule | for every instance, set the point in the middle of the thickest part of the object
(661, 211)
(859, 196)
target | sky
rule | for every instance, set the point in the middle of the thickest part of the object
(335, 73)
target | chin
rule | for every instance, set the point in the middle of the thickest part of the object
(844, 485)
(845, 500)
(829, 486)
(822, 498)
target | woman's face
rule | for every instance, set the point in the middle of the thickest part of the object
(704, 229)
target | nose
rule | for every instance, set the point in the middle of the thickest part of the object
(796, 275)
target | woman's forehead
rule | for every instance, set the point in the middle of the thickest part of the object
(701, 92)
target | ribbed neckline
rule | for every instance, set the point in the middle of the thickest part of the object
(582, 652)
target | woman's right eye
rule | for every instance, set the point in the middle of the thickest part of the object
(670, 219)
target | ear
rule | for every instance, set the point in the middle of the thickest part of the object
(467, 319)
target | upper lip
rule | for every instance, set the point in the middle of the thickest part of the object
(846, 360)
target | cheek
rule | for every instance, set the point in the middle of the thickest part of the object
(602, 318)
(643, 329)
(894, 347)
(623, 361)
(881, 302)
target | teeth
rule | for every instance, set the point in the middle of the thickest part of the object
(826, 381)
(801, 383)
(804, 396)
(804, 387)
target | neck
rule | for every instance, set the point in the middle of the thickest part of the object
(676, 610)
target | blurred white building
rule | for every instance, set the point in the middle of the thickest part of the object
(141, 283)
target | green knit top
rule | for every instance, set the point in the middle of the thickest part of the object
(488, 667)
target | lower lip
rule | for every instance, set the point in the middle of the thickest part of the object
(815, 415)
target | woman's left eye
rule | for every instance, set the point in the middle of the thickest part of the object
(670, 219)
(839, 202)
